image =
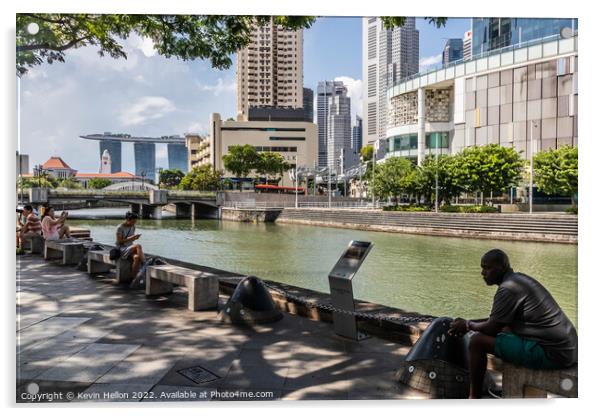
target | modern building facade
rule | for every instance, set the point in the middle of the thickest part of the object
(510, 97)
(334, 121)
(388, 55)
(356, 135)
(467, 54)
(290, 139)
(269, 70)
(22, 164)
(114, 149)
(499, 32)
(144, 154)
(199, 150)
(308, 104)
(452, 51)
(177, 156)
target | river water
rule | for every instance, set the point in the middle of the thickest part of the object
(433, 275)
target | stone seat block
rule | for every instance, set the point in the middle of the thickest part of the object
(100, 262)
(525, 382)
(34, 244)
(68, 251)
(203, 288)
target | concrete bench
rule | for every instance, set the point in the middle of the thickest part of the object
(525, 382)
(203, 288)
(68, 251)
(34, 244)
(100, 262)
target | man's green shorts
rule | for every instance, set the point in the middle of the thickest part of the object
(524, 352)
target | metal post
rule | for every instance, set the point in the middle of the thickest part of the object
(296, 184)
(329, 190)
(360, 182)
(437, 174)
(531, 174)
(373, 166)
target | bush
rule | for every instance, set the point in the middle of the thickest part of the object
(407, 208)
(571, 210)
(469, 209)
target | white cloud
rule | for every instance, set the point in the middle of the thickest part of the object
(146, 45)
(355, 93)
(428, 61)
(220, 87)
(146, 108)
(196, 127)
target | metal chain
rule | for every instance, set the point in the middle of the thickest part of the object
(329, 307)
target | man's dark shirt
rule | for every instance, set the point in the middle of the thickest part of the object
(531, 312)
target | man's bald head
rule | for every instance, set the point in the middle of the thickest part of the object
(494, 265)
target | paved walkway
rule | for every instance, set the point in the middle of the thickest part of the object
(82, 338)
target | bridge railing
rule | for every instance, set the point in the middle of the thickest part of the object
(190, 194)
(57, 193)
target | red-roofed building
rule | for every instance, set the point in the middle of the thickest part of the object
(56, 167)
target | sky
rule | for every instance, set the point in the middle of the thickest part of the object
(149, 95)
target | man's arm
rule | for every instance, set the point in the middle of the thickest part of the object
(461, 326)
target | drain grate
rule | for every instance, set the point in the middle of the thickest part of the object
(198, 374)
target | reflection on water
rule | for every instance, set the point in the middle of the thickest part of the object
(436, 275)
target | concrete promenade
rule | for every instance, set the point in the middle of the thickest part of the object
(85, 339)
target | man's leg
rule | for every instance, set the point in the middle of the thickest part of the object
(480, 344)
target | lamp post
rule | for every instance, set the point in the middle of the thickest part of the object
(296, 184)
(329, 189)
(373, 166)
(437, 173)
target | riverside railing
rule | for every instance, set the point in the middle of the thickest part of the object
(302, 205)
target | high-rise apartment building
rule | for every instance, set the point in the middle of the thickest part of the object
(270, 70)
(389, 55)
(467, 45)
(453, 51)
(356, 135)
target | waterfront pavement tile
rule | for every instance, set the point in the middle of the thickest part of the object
(321, 390)
(114, 392)
(148, 370)
(263, 376)
(47, 329)
(90, 363)
(49, 391)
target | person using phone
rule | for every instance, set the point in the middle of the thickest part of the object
(54, 228)
(126, 235)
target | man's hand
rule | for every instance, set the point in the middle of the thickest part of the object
(458, 327)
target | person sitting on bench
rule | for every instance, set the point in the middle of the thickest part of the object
(32, 226)
(54, 228)
(126, 235)
(526, 326)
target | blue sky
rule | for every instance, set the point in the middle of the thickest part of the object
(154, 96)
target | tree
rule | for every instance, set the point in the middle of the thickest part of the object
(202, 178)
(366, 153)
(170, 177)
(99, 183)
(489, 168)
(185, 37)
(438, 171)
(270, 164)
(35, 182)
(70, 183)
(393, 178)
(555, 171)
(241, 160)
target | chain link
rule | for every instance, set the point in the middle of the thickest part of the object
(328, 307)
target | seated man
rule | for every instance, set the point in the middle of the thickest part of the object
(32, 225)
(540, 335)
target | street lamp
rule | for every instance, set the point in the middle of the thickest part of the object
(373, 165)
(437, 173)
(296, 183)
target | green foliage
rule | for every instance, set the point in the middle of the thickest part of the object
(407, 208)
(170, 178)
(202, 178)
(185, 37)
(469, 209)
(70, 183)
(366, 153)
(270, 164)
(37, 182)
(555, 171)
(439, 170)
(98, 183)
(490, 168)
(393, 178)
(572, 210)
(241, 160)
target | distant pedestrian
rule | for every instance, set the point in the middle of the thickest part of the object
(126, 235)
(54, 228)
(32, 226)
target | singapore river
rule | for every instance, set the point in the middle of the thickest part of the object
(432, 275)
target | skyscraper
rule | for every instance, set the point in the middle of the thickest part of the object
(389, 55)
(144, 158)
(467, 45)
(499, 32)
(308, 104)
(269, 70)
(334, 122)
(177, 156)
(325, 91)
(453, 51)
(356, 135)
(114, 149)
